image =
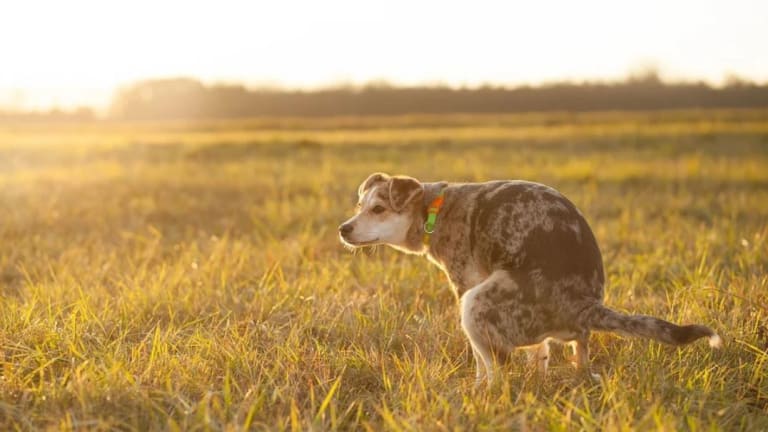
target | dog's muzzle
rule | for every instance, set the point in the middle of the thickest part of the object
(345, 229)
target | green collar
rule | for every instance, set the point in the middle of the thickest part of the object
(432, 211)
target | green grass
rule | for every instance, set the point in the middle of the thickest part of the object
(188, 276)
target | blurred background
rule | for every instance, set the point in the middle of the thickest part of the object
(174, 59)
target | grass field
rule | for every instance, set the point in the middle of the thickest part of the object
(189, 277)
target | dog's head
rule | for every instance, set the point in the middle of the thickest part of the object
(388, 209)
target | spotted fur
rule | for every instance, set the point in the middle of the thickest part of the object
(520, 257)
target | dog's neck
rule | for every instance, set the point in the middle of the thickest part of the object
(414, 239)
(431, 191)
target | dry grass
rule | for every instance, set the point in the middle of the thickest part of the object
(188, 276)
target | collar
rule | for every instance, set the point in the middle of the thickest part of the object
(432, 211)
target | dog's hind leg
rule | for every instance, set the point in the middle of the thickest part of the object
(482, 322)
(539, 356)
(580, 348)
(480, 367)
(477, 335)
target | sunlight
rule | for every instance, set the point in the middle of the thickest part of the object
(77, 52)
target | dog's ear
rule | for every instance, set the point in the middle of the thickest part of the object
(403, 190)
(370, 181)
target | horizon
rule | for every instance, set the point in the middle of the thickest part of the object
(108, 99)
(80, 53)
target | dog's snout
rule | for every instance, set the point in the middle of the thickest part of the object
(346, 228)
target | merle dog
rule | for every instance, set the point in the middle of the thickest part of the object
(520, 257)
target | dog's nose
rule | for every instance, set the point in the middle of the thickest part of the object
(346, 228)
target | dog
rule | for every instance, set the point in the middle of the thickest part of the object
(519, 256)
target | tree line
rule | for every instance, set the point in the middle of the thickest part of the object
(190, 99)
(185, 98)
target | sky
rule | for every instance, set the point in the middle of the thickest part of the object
(77, 52)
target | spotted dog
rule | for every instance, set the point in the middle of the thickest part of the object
(519, 256)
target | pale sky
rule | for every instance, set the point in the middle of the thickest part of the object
(64, 53)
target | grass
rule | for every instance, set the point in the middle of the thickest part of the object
(188, 276)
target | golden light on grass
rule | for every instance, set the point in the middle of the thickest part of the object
(163, 276)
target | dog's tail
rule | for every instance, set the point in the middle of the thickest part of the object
(600, 318)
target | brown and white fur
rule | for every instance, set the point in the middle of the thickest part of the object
(520, 257)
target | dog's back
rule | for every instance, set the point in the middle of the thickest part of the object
(553, 276)
(527, 229)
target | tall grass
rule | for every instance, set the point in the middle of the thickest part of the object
(188, 276)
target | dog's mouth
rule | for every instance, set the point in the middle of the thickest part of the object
(355, 244)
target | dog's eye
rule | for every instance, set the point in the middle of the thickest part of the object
(378, 209)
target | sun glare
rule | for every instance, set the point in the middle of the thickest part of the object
(77, 52)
